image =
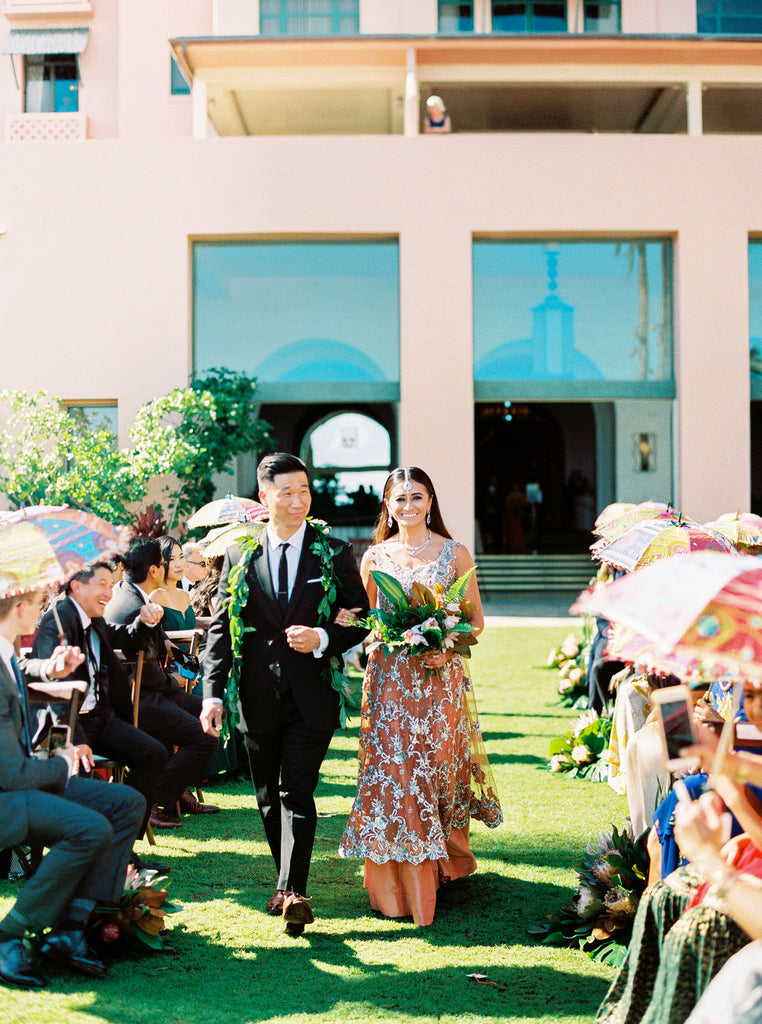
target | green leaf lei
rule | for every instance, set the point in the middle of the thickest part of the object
(238, 595)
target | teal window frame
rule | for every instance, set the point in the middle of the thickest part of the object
(728, 17)
(755, 317)
(460, 10)
(277, 17)
(593, 21)
(59, 85)
(178, 83)
(532, 14)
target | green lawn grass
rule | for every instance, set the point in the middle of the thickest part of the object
(232, 963)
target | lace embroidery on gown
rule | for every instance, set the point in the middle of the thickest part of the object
(423, 769)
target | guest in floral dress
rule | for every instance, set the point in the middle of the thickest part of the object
(423, 770)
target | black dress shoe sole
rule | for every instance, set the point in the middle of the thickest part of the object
(81, 967)
(26, 983)
(294, 928)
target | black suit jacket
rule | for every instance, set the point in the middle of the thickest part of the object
(125, 604)
(115, 692)
(269, 665)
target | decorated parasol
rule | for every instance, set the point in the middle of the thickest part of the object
(229, 509)
(638, 514)
(656, 539)
(743, 529)
(226, 536)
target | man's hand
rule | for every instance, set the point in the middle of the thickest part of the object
(77, 756)
(303, 639)
(701, 829)
(151, 613)
(62, 662)
(347, 616)
(211, 717)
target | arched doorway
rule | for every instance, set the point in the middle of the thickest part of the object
(535, 471)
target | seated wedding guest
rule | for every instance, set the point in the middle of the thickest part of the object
(735, 994)
(196, 566)
(176, 601)
(105, 715)
(88, 826)
(166, 711)
(206, 594)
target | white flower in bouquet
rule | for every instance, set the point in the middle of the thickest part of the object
(449, 641)
(451, 621)
(413, 636)
(453, 607)
(618, 903)
(552, 658)
(585, 719)
(565, 670)
(565, 686)
(604, 871)
(570, 647)
(580, 754)
(586, 903)
(575, 675)
(430, 623)
(560, 762)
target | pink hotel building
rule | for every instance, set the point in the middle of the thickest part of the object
(564, 292)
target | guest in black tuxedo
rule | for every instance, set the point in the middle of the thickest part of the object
(105, 715)
(166, 711)
(289, 707)
(89, 826)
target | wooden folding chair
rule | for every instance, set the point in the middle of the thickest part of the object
(134, 667)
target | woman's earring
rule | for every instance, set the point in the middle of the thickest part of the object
(428, 518)
(389, 519)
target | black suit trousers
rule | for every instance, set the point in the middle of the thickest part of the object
(144, 756)
(285, 769)
(173, 719)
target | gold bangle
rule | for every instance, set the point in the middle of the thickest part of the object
(742, 771)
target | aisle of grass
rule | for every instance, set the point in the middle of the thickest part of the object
(233, 964)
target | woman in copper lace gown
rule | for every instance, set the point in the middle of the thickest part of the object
(423, 771)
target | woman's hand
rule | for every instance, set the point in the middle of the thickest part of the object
(437, 659)
(347, 617)
(701, 829)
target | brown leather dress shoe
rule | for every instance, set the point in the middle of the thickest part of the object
(70, 949)
(275, 903)
(15, 968)
(190, 805)
(296, 913)
(159, 819)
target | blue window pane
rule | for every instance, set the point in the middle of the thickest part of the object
(456, 16)
(309, 17)
(755, 309)
(95, 417)
(298, 312)
(593, 311)
(602, 18)
(178, 82)
(729, 17)
(529, 16)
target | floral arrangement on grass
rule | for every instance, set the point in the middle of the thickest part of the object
(139, 915)
(571, 660)
(612, 877)
(429, 619)
(584, 751)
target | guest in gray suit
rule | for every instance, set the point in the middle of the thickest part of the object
(89, 826)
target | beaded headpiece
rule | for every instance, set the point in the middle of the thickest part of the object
(407, 485)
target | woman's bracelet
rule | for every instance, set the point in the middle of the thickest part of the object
(741, 771)
(723, 881)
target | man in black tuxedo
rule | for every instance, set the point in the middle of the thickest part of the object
(105, 715)
(290, 710)
(89, 826)
(166, 711)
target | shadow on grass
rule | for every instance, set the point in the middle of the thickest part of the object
(533, 759)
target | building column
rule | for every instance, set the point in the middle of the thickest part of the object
(436, 419)
(412, 95)
(694, 103)
(712, 429)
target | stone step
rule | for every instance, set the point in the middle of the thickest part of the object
(501, 573)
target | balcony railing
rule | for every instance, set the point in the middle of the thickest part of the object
(45, 127)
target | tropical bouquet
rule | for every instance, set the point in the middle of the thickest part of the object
(571, 659)
(583, 752)
(428, 620)
(139, 914)
(611, 879)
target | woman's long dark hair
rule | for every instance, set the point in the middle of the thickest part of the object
(168, 545)
(399, 476)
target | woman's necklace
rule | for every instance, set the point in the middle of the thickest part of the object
(420, 548)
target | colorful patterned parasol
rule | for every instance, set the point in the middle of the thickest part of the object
(635, 649)
(611, 512)
(229, 509)
(638, 514)
(218, 541)
(742, 529)
(656, 539)
(39, 548)
(708, 605)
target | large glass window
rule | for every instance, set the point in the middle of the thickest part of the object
(573, 311)
(529, 16)
(456, 16)
(297, 314)
(309, 17)
(603, 18)
(729, 17)
(51, 83)
(755, 315)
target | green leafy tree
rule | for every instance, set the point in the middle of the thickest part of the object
(192, 434)
(48, 456)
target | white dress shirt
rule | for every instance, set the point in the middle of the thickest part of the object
(89, 701)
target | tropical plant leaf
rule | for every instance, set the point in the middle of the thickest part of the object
(456, 591)
(390, 588)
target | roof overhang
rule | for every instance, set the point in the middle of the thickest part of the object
(28, 41)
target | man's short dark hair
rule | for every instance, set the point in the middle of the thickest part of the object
(86, 574)
(142, 553)
(277, 463)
